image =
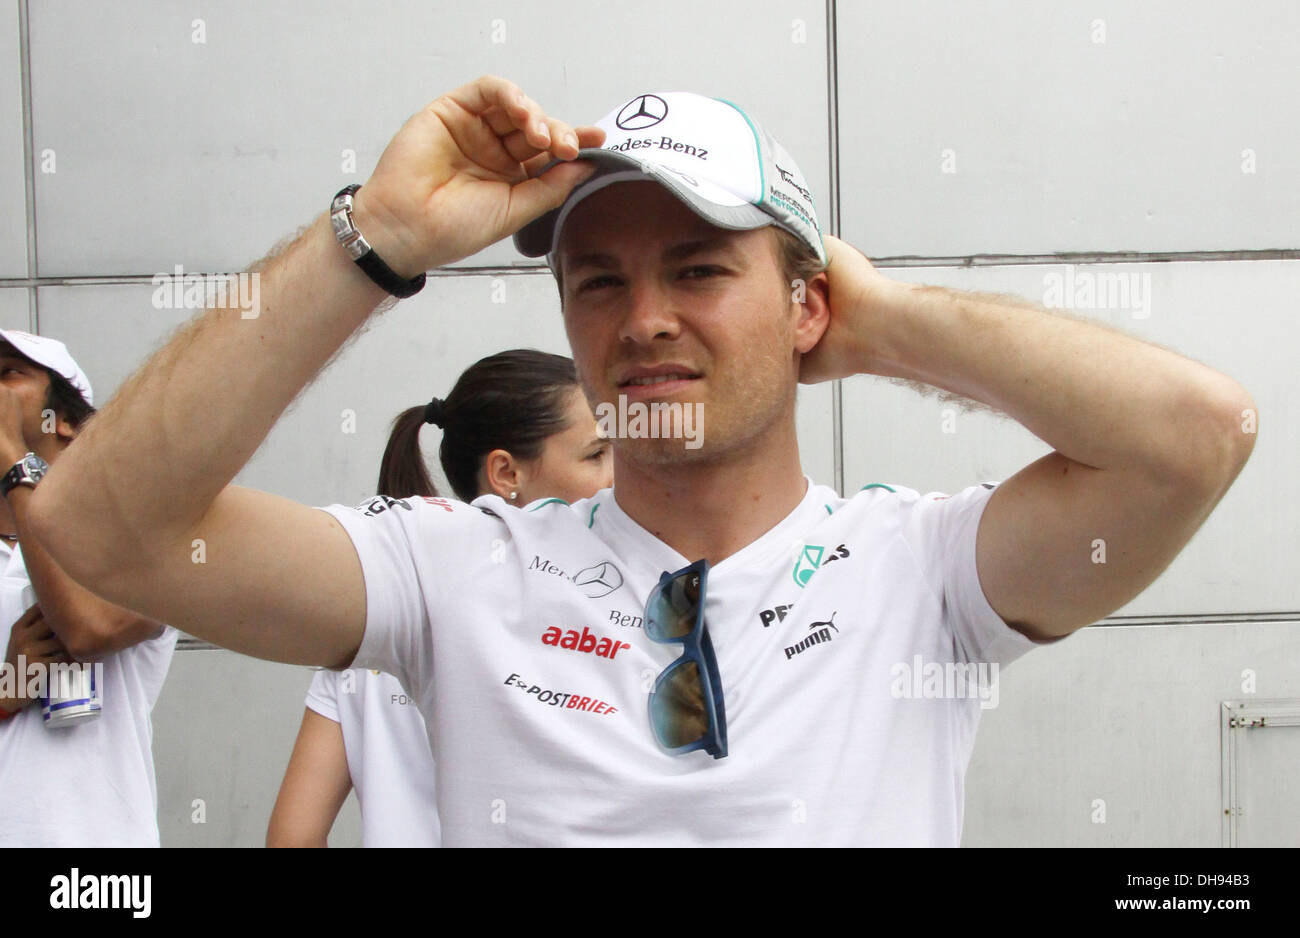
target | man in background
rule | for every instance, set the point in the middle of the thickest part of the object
(90, 783)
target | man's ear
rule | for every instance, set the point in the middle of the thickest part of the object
(64, 429)
(812, 298)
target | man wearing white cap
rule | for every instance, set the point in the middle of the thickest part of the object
(78, 770)
(587, 660)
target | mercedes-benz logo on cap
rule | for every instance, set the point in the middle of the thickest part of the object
(642, 112)
(600, 580)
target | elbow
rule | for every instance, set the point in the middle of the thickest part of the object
(92, 635)
(86, 643)
(1231, 428)
(1241, 429)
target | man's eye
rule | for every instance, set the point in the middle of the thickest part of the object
(700, 272)
(596, 283)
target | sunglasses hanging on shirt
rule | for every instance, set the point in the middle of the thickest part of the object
(686, 708)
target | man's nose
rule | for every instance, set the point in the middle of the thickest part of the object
(649, 313)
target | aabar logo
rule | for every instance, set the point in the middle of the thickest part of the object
(810, 561)
(584, 642)
(642, 112)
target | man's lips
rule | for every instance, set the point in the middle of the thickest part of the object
(659, 380)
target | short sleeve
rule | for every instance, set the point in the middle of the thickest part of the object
(397, 637)
(323, 694)
(941, 530)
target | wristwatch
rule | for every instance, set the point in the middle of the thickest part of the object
(27, 471)
(362, 253)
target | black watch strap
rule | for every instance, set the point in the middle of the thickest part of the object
(384, 275)
(362, 253)
(11, 478)
(27, 471)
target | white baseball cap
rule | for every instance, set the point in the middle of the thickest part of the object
(54, 355)
(707, 152)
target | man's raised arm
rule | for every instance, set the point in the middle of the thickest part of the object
(1146, 441)
(123, 508)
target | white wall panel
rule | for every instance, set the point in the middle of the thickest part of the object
(1062, 143)
(13, 309)
(204, 154)
(1128, 715)
(206, 749)
(13, 221)
(1237, 318)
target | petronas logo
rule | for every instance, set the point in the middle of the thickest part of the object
(811, 558)
(807, 563)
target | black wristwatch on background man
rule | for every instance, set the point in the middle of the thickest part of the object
(27, 471)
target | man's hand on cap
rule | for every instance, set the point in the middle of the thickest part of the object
(461, 174)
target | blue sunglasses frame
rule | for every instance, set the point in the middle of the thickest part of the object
(696, 647)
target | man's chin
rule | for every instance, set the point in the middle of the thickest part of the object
(662, 452)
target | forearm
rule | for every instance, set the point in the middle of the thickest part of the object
(181, 428)
(1099, 397)
(88, 626)
(316, 783)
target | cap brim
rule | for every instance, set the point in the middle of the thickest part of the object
(715, 205)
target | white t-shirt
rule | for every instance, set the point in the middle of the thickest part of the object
(388, 755)
(828, 631)
(92, 784)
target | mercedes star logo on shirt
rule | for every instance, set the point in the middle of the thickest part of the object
(642, 112)
(600, 580)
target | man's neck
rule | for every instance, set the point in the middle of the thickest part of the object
(715, 509)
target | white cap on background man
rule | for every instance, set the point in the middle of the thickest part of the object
(52, 354)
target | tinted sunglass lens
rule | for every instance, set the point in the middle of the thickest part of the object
(672, 611)
(677, 707)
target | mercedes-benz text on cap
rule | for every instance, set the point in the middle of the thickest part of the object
(706, 151)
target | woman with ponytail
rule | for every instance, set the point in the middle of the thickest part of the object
(516, 424)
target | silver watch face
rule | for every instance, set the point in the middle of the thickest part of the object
(34, 467)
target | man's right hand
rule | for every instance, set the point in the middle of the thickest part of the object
(461, 174)
(32, 639)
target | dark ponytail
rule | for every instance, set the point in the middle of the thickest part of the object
(402, 472)
(512, 400)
